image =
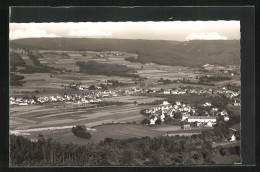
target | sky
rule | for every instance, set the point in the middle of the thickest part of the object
(170, 30)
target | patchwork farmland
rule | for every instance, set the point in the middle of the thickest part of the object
(117, 100)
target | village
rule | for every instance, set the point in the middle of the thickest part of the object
(185, 113)
(94, 96)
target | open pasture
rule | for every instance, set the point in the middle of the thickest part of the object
(53, 117)
(74, 55)
(114, 131)
(171, 75)
(59, 61)
(27, 60)
(56, 83)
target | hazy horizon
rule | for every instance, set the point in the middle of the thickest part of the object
(127, 39)
(170, 30)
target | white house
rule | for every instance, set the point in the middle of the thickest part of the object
(41, 100)
(175, 107)
(172, 114)
(19, 100)
(207, 104)
(182, 92)
(162, 117)
(178, 103)
(152, 121)
(12, 102)
(215, 109)
(165, 103)
(209, 124)
(233, 138)
(226, 118)
(174, 91)
(223, 113)
(185, 116)
(167, 92)
(33, 102)
(236, 103)
(23, 104)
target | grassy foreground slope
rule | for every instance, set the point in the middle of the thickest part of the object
(189, 53)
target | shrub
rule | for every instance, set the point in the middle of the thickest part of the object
(158, 121)
(81, 131)
(178, 115)
(92, 87)
(145, 121)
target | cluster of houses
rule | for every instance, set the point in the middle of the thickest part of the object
(133, 91)
(79, 86)
(185, 113)
(179, 91)
(78, 98)
(224, 90)
(232, 70)
(21, 101)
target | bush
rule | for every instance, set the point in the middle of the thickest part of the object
(158, 121)
(81, 131)
(92, 87)
(178, 115)
(145, 121)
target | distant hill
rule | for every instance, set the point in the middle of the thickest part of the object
(188, 53)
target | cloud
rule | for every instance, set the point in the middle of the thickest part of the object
(30, 33)
(92, 32)
(208, 36)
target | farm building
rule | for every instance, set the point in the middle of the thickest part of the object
(203, 119)
(186, 127)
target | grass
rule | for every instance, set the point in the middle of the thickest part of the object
(53, 117)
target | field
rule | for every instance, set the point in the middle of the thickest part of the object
(27, 60)
(115, 131)
(48, 116)
(188, 53)
(131, 99)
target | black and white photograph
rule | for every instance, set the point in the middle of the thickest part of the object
(127, 93)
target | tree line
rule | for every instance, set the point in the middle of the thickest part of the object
(174, 150)
(95, 68)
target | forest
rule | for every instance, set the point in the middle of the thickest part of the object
(16, 60)
(95, 68)
(174, 150)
